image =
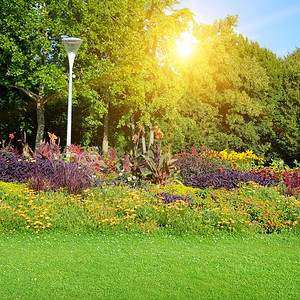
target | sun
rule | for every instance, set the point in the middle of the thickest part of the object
(185, 44)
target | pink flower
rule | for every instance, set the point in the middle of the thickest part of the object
(11, 135)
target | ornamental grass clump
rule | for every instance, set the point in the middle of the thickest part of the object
(66, 175)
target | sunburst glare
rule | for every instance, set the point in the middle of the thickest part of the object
(186, 44)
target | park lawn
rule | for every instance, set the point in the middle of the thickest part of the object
(140, 266)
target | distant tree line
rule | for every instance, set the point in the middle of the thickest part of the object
(229, 93)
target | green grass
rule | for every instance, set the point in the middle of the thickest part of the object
(129, 266)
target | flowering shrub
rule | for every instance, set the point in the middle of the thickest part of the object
(242, 161)
(227, 179)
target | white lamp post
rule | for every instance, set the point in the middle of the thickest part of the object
(72, 45)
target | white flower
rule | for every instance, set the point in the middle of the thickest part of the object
(120, 174)
(129, 178)
(133, 177)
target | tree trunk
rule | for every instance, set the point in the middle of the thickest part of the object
(151, 138)
(40, 113)
(132, 124)
(105, 131)
(144, 141)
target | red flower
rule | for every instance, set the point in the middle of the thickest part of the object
(220, 169)
(11, 135)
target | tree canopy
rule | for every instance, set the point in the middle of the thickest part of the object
(228, 93)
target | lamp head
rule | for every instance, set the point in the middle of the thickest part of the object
(72, 45)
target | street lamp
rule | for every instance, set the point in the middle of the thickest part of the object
(72, 45)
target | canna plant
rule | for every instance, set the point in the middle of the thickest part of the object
(134, 162)
(160, 167)
(8, 150)
(154, 165)
(49, 150)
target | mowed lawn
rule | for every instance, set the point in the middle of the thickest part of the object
(129, 266)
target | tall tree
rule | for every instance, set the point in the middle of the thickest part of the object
(30, 53)
(124, 60)
(224, 102)
(290, 109)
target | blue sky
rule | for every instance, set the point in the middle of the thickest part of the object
(274, 24)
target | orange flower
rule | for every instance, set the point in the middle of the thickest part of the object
(52, 136)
